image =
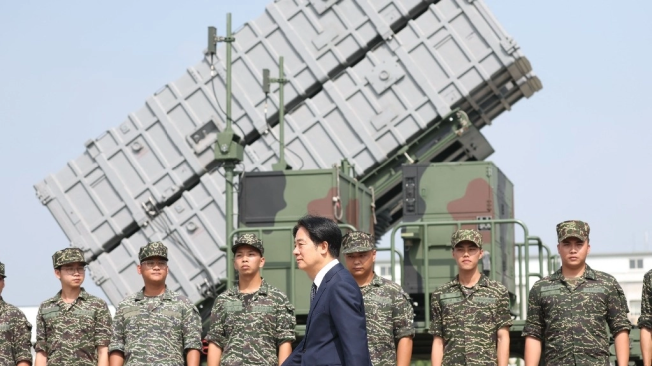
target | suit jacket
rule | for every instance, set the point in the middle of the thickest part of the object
(336, 331)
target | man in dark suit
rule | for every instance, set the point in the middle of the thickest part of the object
(336, 326)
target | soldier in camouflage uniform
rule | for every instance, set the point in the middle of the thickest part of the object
(568, 311)
(470, 314)
(73, 327)
(645, 320)
(155, 326)
(15, 332)
(250, 321)
(389, 314)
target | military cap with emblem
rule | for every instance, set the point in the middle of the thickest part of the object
(573, 229)
(249, 239)
(357, 242)
(68, 255)
(466, 235)
(2, 270)
(153, 249)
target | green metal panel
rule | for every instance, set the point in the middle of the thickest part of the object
(454, 192)
(276, 199)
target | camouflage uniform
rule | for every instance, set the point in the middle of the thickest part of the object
(570, 319)
(469, 324)
(250, 335)
(69, 334)
(155, 330)
(389, 314)
(250, 332)
(15, 333)
(645, 320)
(468, 320)
(390, 317)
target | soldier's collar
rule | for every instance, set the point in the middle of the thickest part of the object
(483, 281)
(588, 274)
(82, 294)
(263, 289)
(167, 295)
(376, 281)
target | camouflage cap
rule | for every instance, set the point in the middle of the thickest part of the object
(466, 235)
(357, 241)
(2, 270)
(68, 255)
(249, 239)
(153, 249)
(573, 229)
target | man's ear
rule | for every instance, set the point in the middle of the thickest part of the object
(323, 247)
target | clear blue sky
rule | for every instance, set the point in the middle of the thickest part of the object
(577, 149)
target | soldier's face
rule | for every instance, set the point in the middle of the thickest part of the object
(71, 274)
(467, 255)
(573, 252)
(154, 270)
(2, 284)
(360, 264)
(248, 260)
(309, 256)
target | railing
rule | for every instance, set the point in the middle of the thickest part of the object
(524, 290)
(525, 246)
(393, 263)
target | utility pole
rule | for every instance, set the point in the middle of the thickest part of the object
(228, 149)
(281, 165)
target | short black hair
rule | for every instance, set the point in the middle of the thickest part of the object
(321, 229)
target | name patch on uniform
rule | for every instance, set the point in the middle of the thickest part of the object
(451, 301)
(174, 314)
(595, 290)
(4, 327)
(484, 300)
(550, 288)
(83, 312)
(233, 306)
(131, 309)
(50, 313)
(449, 295)
(263, 309)
(381, 300)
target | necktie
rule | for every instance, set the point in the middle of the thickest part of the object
(313, 291)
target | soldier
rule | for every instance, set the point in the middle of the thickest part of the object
(155, 326)
(73, 327)
(470, 314)
(250, 321)
(15, 332)
(390, 317)
(568, 310)
(645, 319)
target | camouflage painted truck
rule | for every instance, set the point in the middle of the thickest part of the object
(382, 89)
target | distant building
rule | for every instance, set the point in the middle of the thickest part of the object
(383, 268)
